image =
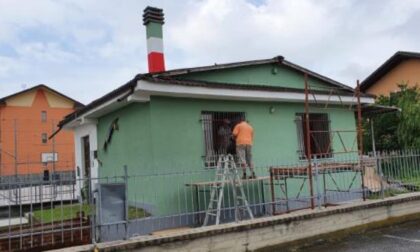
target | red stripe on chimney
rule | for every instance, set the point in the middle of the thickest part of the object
(156, 62)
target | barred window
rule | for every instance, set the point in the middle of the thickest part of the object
(320, 135)
(217, 132)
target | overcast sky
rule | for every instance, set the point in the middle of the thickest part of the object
(86, 48)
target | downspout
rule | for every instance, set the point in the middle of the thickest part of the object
(55, 132)
(132, 87)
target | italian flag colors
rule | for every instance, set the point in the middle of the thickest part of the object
(153, 20)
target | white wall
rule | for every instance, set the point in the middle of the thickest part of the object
(88, 129)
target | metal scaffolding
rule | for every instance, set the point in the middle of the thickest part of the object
(318, 152)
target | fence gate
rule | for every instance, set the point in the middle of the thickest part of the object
(112, 211)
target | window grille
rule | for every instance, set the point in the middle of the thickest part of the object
(320, 135)
(217, 132)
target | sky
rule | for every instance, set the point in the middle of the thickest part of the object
(86, 48)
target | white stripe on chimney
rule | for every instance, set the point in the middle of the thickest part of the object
(154, 45)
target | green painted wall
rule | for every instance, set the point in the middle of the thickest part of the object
(266, 74)
(165, 137)
(177, 130)
(130, 144)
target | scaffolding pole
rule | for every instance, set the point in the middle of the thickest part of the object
(308, 142)
(360, 137)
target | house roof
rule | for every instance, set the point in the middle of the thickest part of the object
(277, 59)
(210, 84)
(76, 103)
(170, 77)
(371, 110)
(388, 65)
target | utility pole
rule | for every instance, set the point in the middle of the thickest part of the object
(53, 148)
(16, 149)
(53, 175)
(1, 157)
(15, 156)
(1, 143)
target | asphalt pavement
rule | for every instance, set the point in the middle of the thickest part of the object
(401, 238)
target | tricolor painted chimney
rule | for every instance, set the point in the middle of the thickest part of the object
(153, 20)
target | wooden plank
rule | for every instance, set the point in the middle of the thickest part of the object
(209, 183)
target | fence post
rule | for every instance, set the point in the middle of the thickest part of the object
(126, 200)
(92, 205)
(318, 190)
(380, 173)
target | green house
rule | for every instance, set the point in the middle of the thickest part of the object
(162, 123)
(163, 126)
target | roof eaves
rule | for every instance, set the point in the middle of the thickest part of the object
(116, 92)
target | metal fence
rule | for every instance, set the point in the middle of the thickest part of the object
(40, 212)
(65, 210)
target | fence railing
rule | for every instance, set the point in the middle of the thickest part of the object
(68, 210)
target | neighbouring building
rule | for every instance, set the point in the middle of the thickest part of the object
(403, 68)
(27, 119)
(164, 122)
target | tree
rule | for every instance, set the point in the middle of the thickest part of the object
(397, 130)
(409, 126)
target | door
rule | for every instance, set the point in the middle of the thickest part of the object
(86, 157)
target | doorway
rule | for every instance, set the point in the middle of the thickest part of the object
(86, 157)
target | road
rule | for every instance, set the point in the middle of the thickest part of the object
(402, 238)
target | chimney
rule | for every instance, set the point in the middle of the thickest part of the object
(153, 20)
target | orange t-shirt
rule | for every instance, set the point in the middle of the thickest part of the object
(244, 133)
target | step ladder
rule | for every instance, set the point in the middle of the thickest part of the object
(227, 174)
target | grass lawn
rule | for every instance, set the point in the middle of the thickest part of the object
(387, 193)
(412, 181)
(67, 212)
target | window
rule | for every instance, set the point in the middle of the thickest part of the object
(44, 138)
(320, 135)
(217, 129)
(43, 116)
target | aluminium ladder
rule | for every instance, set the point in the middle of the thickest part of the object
(226, 173)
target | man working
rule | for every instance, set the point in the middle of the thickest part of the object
(224, 136)
(244, 135)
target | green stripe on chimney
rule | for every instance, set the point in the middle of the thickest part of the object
(154, 30)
